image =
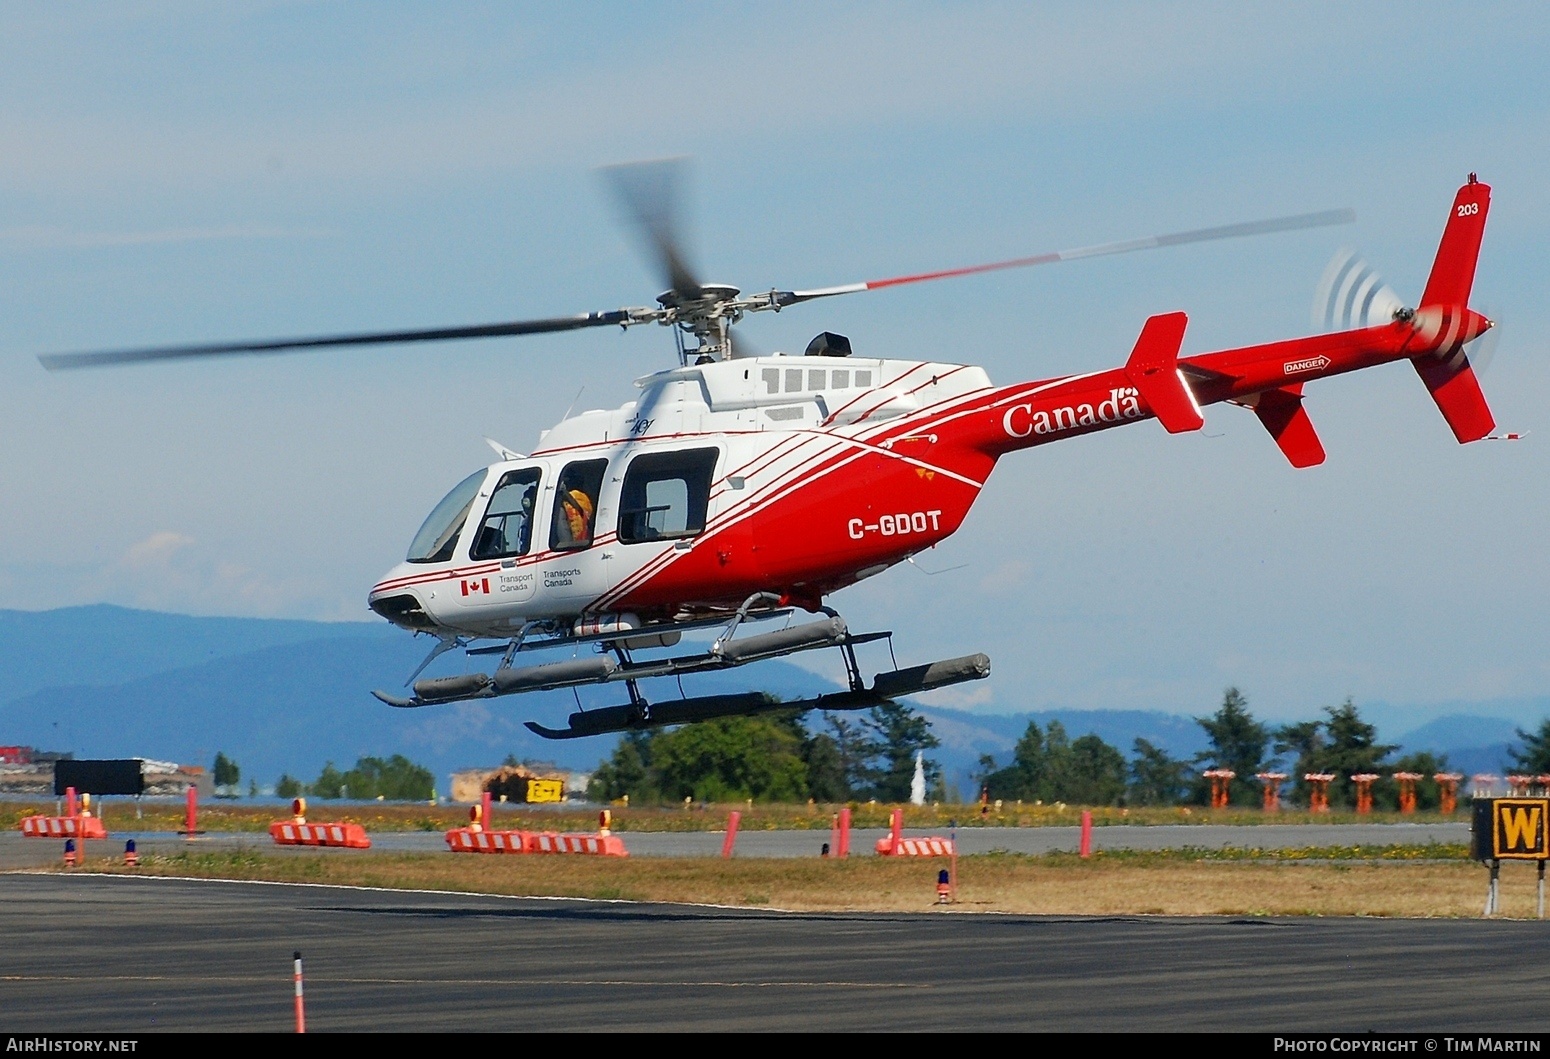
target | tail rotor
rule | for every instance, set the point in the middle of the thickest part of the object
(1352, 296)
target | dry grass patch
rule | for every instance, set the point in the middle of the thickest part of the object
(1166, 884)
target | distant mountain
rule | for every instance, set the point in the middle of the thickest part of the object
(1473, 744)
(102, 645)
(294, 706)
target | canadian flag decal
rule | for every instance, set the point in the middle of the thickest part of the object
(474, 587)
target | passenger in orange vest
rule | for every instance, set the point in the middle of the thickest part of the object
(578, 509)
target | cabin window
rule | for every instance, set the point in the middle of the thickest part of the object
(841, 379)
(576, 492)
(771, 377)
(814, 379)
(665, 495)
(438, 536)
(863, 378)
(507, 528)
(793, 380)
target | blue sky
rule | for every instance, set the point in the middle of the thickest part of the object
(176, 171)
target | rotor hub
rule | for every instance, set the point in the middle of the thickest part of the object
(711, 296)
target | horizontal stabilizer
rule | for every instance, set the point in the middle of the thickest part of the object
(1283, 415)
(1153, 369)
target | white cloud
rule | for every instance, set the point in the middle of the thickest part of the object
(156, 550)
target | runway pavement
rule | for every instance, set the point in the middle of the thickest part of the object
(121, 955)
(16, 851)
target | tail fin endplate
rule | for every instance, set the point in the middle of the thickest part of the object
(1153, 369)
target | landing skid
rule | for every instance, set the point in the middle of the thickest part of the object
(641, 715)
(727, 652)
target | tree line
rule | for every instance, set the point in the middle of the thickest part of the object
(394, 779)
(774, 757)
(1048, 766)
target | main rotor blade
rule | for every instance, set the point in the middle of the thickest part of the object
(649, 191)
(1198, 235)
(66, 361)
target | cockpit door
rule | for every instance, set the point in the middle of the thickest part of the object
(502, 527)
(573, 569)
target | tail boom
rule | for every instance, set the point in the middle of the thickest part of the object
(1156, 383)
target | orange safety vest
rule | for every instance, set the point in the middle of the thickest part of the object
(578, 514)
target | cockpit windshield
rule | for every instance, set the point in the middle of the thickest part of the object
(438, 536)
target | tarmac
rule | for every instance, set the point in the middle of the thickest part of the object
(126, 956)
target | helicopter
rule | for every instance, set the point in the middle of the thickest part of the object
(740, 487)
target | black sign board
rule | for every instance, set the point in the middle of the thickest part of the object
(1511, 829)
(99, 777)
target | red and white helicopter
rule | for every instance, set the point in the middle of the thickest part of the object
(739, 488)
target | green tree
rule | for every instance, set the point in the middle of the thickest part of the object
(857, 752)
(1049, 767)
(627, 772)
(900, 733)
(1305, 739)
(1534, 757)
(1097, 773)
(1238, 742)
(826, 779)
(288, 786)
(1156, 778)
(1351, 747)
(396, 779)
(1058, 771)
(225, 773)
(732, 759)
(1024, 777)
(330, 782)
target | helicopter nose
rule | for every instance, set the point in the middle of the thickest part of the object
(400, 604)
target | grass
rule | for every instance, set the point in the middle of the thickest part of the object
(400, 816)
(1415, 881)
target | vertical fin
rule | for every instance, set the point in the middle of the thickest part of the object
(1453, 271)
(1446, 372)
(1454, 387)
(1283, 415)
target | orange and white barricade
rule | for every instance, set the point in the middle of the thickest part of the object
(896, 845)
(468, 840)
(63, 827)
(934, 846)
(291, 833)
